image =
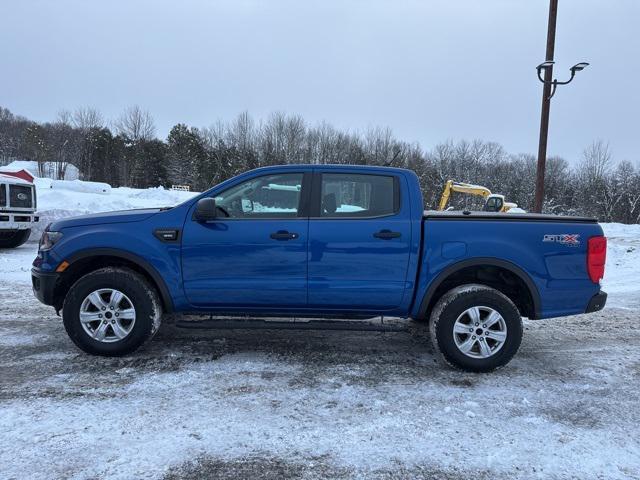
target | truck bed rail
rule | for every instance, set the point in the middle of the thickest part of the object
(528, 217)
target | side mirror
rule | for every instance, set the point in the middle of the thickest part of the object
(205, 210)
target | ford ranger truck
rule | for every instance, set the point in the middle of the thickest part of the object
(320, 241)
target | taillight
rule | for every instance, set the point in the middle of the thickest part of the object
(596, 257)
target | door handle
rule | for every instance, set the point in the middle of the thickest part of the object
(283, 235)
(387, 234)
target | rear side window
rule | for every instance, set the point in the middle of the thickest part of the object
(3, 195)
(354, 195)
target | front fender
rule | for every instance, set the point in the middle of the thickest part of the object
(134, 243)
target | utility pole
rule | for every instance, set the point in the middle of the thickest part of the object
(546, 106)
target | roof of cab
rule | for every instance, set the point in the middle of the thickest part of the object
(330, 166)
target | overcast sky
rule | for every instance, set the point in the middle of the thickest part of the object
(430, 70)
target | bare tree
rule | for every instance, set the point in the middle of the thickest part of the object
(64, 117)
(137, 127)
(38, 146)
(86, 118)
(241, 132)
(86, 121)
(597, 160)
(378, 145)
(322, 144)
(62, 145)
(596, 192)
(136, 124)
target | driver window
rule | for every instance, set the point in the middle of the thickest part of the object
(270, 196)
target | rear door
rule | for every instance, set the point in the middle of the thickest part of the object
(255, 252)
(359, 241)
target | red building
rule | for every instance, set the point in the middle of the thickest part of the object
(21, 173)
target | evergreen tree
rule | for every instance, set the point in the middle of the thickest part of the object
(187, 159)
(151, 167)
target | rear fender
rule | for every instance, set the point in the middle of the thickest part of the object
(421, 309)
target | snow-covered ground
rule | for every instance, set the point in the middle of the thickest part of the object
(300, 404)
(622, 271)
(235, 404)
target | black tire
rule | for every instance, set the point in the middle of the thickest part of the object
(452, 305)
(143, 297)
(14, 238)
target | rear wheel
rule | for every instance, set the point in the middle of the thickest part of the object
(111, 312)
(13, 238)
(476, 328)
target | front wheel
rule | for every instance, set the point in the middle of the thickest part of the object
(475, 328)
(111, 312)
(13, 238)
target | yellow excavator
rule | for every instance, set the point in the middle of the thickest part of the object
(493, 202)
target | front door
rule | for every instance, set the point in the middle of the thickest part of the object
(359, 242)
(255, 252)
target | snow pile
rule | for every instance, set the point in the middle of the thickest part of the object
(622, 271)
(80, 186)
(59, 199)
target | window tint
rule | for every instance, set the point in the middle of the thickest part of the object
(270, 196)
(350, 195)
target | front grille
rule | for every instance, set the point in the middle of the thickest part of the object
(20, 196)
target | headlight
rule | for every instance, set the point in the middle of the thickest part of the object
(48, 240)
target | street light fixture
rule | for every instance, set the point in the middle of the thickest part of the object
(548, 65)
(579, 67)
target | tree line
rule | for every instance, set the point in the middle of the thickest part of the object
(127, 152)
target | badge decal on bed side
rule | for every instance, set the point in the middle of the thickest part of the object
(571, 239)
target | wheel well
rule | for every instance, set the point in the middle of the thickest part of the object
(86, 265)
(502, 279)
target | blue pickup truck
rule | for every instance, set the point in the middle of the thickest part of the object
(328, 241)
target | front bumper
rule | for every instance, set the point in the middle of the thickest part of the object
(597, 302)
(44, 284)
(17, 220)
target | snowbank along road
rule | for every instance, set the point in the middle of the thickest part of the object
(301, 404)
